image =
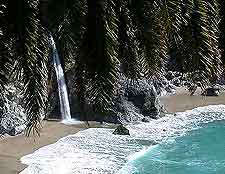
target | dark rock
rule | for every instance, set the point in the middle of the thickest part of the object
(162, 111)
(17, 130)
(145, 119)
(177, 74)
(121, 130)
(132, 102)
(154, 143)
(169, 75)
(2, 130)
(192, 89)
(170, 88)
(176, 82)
(143, 97)
(186, 83)
(11, 125)
(211, 91)
(145, 142)
(12, 132)
(221, 80)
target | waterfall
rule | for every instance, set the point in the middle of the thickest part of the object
(62, 88)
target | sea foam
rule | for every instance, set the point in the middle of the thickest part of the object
(98, 151)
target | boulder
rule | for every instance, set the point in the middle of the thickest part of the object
(144, 97)
(177, 74)
(170, 88)
(145, 120)
(121, 130)
(187, 83)
(169, 75)
(192, 88)
(211, 91)
(176, 82)
(16, 130)
(11, 125)
(221, 80)
(2, 130)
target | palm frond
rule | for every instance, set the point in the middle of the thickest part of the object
(99, 53)
(70, 29)
(32, 62)
(205, 60)
(128, 43)
(5, 47)
(222, 29)
(151, 34)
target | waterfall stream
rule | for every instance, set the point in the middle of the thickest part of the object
(62, 88)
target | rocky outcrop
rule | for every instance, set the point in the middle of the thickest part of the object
(133, 102)
(121, 130)
(176, 79)
(146, 119)
(211, 91)
(12, 114)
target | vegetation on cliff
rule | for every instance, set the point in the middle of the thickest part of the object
(99, 39)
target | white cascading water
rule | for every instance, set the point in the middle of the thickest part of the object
(62, 88)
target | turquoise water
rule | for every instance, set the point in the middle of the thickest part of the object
(200, 151)
(191, 142)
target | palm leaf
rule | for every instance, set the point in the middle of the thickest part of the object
(99, 53)
(32, 41)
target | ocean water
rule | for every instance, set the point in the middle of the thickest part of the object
(200, 151)
(190, 142)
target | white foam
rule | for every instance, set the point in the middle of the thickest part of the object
(71, 122)
(98, 151)
(141, 153)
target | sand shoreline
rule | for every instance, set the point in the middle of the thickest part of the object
(13, 148)
(182, 101)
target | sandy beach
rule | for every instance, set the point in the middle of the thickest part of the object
(182, 100)
(13, 148)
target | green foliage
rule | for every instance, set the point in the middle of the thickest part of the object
(27, 52)
(222, 29)
(99, 54)
(32, 63)
(5, 50)
(139, 35)
(199, 52)
(98, 39)
(128, 44)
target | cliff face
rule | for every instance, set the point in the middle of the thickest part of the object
(133, 102)
(12, 114)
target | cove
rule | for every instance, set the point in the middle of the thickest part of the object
(190, 142)
(200, 151)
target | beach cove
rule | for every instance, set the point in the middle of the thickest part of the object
(52, 131)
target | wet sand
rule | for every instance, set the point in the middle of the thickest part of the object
(182, 100)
